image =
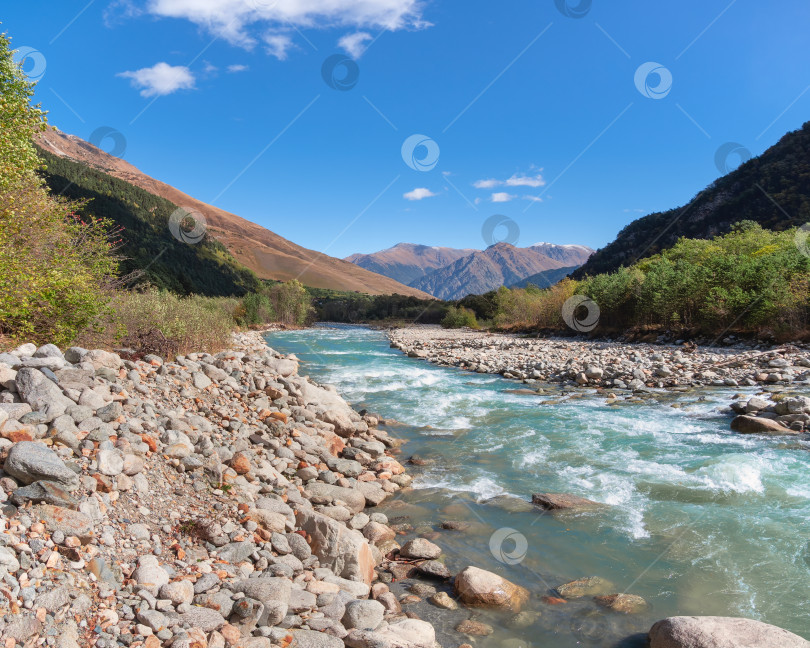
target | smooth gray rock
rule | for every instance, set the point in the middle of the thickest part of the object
(41, 393)
(363, 615)
(29, 462)
(720, 632)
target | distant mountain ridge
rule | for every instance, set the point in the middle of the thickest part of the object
(450, 273)
(772, 189)
(267, 254)
(499, 265)
(408, 262)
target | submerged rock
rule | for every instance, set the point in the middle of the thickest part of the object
(479, 588)
(562, 501)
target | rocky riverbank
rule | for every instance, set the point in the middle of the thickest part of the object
(222, 500)
(630, 368)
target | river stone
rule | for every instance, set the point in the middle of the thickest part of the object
(592, 586)
(345, 551)
(312, 639)
(625, 603)
(355, 500)
(236, 552)
(479, 588)
(110, 462)
(758, 425)
(41, 393)
(44, 492)
(71, 523)
(205, 619)
(363, 615)
(149, 574)
(8, 559)
(410, 633)
(29, 462)
(562, 501)
(420, 549)
(178, 592)
(720, 632)
(433, 569)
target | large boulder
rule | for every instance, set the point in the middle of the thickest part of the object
(720, 632)
(29, 462)
(345, 551)
(41, 393)
(479, 588)
(354, 499)
(758, 425)
(409, 633)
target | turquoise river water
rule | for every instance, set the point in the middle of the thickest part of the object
(701, 520)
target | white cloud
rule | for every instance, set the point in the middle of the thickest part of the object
(533, 198)
(233, 19)
(486, 184)
(502, 196)
(278, 44)
(525, 181)
(209, 68)
(419, 193)
(517, 180)
(354, 44)
(237, 68)
(160, 79)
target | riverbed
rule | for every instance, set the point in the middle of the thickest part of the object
(698, 520)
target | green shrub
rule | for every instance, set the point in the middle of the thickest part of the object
(57, 269)
(459, 317)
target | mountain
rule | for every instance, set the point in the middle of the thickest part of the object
(146, 243)
(545, 279)
(772, 189)
(267, 254)
(499, 265)
(408, 262)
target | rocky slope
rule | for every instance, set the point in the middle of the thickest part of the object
(269, 255)
(499, 265)
(408, 262)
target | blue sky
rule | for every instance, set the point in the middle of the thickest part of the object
(534, 114)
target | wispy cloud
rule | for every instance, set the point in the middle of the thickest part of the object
(237, 68)
(502, 197)
(160, 79)
(278, 45)
(516, 180)
(533, 198)
(237, 21)
(420, 193)
(355, 44)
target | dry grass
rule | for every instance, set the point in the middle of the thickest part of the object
(164, 324)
